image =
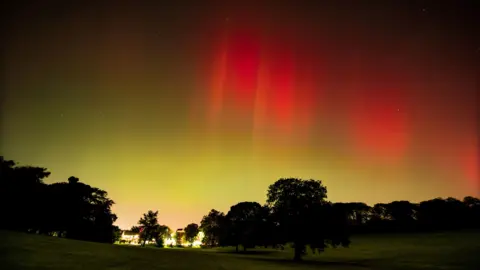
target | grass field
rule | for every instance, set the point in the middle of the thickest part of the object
(459, 250)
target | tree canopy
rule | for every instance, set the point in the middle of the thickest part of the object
(304, 215)
(213, 227)
(296, 211)
(149, 227)
(70, 209)
(191, 232)
(245, 220)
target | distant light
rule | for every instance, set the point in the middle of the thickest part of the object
(196, 243)
(169, 241)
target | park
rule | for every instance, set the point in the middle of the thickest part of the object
(453, 250)
(72, 227)
(240, 135)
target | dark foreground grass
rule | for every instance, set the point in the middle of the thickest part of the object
(458, 250)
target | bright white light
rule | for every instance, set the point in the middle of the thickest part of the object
(170, 240)
(198, 241)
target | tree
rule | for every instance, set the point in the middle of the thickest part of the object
(135, 229)
(358, 214)
(25, 182)
(117, 234)
(403, 215)
(85, 212)
(69, 209)
(191, 232)
(161, 233)
(267, 229)
(149, 226)
(213, 226)
(164, 231)
(472, 205)
(380, 218)
(245, 219)
(301, 209)
(443, 214)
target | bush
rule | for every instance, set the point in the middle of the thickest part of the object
(159, 242)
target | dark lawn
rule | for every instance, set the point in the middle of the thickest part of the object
(459, 250)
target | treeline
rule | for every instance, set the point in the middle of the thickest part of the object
(297, 212)
(67, 209)
(403, 216)
(150, 230)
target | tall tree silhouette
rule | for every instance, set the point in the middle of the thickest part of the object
(213, 226)
(149, 226)
(301, 209)
(245, 220)
(191, 232)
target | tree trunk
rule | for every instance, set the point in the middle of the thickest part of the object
(236, 248)
(244, 248)
(298, 253)
(145, 240)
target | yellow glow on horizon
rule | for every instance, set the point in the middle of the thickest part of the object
(179, 145)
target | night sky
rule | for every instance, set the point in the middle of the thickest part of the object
(186, 107)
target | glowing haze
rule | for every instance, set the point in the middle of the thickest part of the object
(188, 108)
